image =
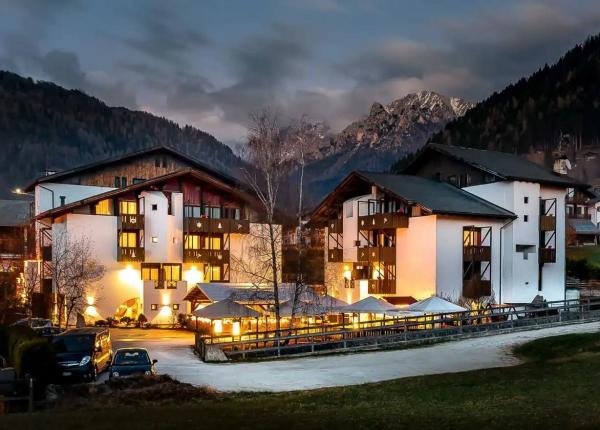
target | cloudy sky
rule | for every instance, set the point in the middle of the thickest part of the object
(209, 63)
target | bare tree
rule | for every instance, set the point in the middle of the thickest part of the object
(75, 273)
(30, 284)
(269, 155)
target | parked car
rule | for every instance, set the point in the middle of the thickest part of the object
(131, 361)
(83, 352)
(34, 323)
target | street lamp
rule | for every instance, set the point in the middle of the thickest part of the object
(20, 192)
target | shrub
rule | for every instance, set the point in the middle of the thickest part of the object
(182, 320)
(101, 323)
(125, 320)
(142, 319)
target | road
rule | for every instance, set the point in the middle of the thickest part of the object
(173, 351)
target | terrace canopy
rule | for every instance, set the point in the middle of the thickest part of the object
(225, 308)
(369, 305)
(319, 305)
(435, 305)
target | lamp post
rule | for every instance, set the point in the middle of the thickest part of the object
(20, 192)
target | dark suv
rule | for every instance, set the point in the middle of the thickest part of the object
(82, 352)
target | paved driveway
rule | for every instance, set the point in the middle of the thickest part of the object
(175, 356)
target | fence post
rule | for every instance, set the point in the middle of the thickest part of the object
(30, 399)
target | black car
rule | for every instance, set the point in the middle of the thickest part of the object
(131, 361)
(82, 353)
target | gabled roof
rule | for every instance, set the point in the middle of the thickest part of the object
(130, 155)
(14, 213)
(437, 197)
(207, 177)
(502, 164)
(583, 226)
(225, 308)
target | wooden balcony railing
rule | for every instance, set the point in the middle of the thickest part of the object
(577, 199)
(335, 255)
(386, 254)
(382, 221)
(475, 288)
(131, 222)
(46, 252)
(477, 253)
(165, 284)
(335, 226)
(208, 256)
(217, 225)
(382, 286)
(130, 254)
(547, 255)
(547, 223)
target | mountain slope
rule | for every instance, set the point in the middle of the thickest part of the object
(557, 109)
(376, 141)
(44, 126)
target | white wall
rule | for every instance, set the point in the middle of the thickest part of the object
(72, 193)
(553, 274)
(416, 258)
(350, 235)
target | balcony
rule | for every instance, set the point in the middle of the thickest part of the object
(475, 288)
(547, 255)
(164, 284)
(131, 222)
(335, 226)
(208, 256)
(130, 254)
(335, 255)
(576, 199)
(547, 223)
(382, 286)
(385, 254)
(217, 225)
(46, 252)
(383, 221)
(477, 253)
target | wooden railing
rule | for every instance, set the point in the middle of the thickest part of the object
(386, 254)
(382, 221)
(547, 255)
(335, 255)
(130, 254)
(209, 256)
(547, 223)
(474, 288)
(477, 253)
(394, 331)
(217, 225)
(131, 222)
(335, 226)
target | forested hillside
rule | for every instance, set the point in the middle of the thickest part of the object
(46, 127)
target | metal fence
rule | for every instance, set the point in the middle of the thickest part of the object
(391, 332)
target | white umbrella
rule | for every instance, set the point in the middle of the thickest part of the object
(369, 305)
(435, 305)
(225, 309)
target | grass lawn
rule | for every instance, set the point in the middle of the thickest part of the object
(558, 387)
(589, 253)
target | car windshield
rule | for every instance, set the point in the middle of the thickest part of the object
(131, 358)
(73, 343)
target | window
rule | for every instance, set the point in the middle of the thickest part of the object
(471, 236)
(150, 272)
(154, 307)
(154, 207)
(127, 207)
(157, 162)
(175, 306)
(103, 207)
(128, 239)
(525, 218)
(172, 274)
(213, 212)
(231, 213)
(123, 181)
(137, 180)
(192, 211)
(192, 241)
(212, 242)
(117, 182)
(525, 199)
(213, 273)
(348, 209)
(62, 200)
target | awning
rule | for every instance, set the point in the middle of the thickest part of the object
(435, 305)
(369, 305)
(226, 308)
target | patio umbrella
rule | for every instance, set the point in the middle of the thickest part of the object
(225, 308)
(368, 305)
(435, 305)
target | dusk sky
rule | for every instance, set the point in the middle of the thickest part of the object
(210, 63)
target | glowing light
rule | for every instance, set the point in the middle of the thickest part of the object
(217, 326)
(193, 276)
(355, 319)
(166, 299)
(90, 300)
(165, 311)
(129, 275)
(236, 328)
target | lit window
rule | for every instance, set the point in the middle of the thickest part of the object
(213, 273)
(103, 207)
(192, 241)
(150, 272)
(154, 307)
(175, 306)
(128, 207)
(212, 242)
(128, 239)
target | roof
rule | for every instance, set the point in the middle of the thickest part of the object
(14, 213)
(371, 305)
(226, 308)
(318, 305)
(437, 197)
(124, 157)
(242, 193)
(583, 226)
(503, 164)
(400, 300)
(435, 304)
